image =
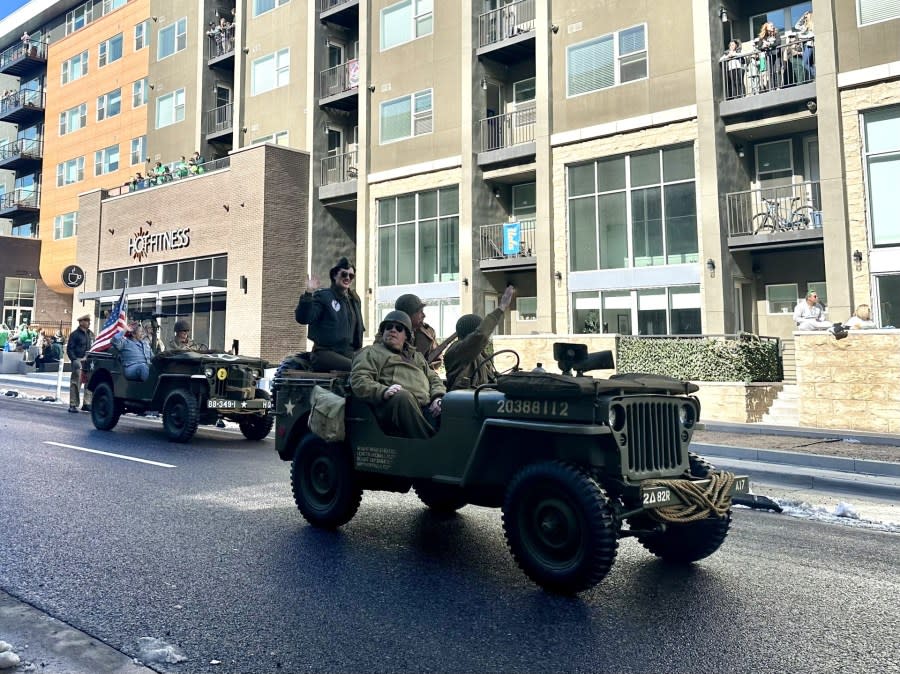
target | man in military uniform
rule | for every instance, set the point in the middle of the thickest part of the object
(181, 340)
(423, 337)
(79, 344)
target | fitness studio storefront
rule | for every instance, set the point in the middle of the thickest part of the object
(216, 249)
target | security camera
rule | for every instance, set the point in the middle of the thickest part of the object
(812, 106)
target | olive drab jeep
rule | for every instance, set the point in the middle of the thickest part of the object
(574, 462)
(188, 387)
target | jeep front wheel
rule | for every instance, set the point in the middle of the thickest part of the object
(258, 426)
(559, 527)
(105, 412)
(324, 482)
(181, 415)
(441, 498)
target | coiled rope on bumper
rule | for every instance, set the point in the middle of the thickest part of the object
(698, 502)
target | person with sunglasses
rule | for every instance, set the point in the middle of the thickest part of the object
(404, 392)
(334, 317)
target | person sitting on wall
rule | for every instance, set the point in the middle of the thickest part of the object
(474, 333)
(861, 319)
(394, 378)
(181, 340)
(135, 352)
(809, 314)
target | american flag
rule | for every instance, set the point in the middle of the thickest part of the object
(117, 322)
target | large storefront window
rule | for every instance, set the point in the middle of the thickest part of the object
(441, 314)
(644, 311)
(638, 210)
(882, 147)
(418, 237)
(18, 300)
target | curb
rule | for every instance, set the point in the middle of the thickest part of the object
(867, 437)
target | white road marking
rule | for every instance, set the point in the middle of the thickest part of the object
(115, 456)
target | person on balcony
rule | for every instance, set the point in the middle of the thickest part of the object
(805, 29)
(771, 61)
(733, 62)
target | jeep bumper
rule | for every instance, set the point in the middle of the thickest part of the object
(659, 496)
(228, 405)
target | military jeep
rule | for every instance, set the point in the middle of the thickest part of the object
(187, 387)
(575, 463)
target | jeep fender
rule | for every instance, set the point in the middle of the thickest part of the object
(504, 446)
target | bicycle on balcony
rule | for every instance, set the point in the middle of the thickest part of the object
(772, 220)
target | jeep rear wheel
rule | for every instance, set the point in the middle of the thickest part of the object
(324, 482)
(441, 498)
(105, 412)
(686, 543)
(181, 414)
(258, 426)
(559, 527)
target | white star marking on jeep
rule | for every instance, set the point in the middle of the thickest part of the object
(244, 404)
(289, 407)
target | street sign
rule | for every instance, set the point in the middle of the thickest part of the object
(73, 276)
(512, 238)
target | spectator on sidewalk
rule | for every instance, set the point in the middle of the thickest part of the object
(4, 336)
(79, 343)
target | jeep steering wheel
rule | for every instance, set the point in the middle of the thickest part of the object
(490, 359)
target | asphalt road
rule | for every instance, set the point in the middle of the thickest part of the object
(212, 556)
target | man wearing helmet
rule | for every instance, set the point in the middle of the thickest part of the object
(474, 333)
(181, 341)
(394, 378)
(423, 337)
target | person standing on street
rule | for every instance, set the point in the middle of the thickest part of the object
(79, 343)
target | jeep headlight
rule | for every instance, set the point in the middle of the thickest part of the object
(687, 415)
(208, 372)
(616, 417)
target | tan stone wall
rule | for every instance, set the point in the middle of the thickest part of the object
(853, 102)
(850, 383)
(735, 401)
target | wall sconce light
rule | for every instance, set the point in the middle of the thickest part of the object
(368, 291)
(857, 259)
(466, 282)
(723, 14)
(152, 86)
(244, 283)
(155, 18)
(325, 129)
(558, 275)
(484, 84)
(554, 28)
(243, 129)
(371, 88)
(711, 267)
(246, 50)
(496, 193)
(740, 150)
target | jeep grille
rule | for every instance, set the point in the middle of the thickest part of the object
(239, 381)
(653, 434)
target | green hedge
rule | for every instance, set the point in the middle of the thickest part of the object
(743, 358)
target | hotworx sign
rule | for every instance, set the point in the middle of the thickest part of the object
(143, 242)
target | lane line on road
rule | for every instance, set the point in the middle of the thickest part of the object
(115, 456)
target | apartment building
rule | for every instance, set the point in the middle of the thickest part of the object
(606, 158)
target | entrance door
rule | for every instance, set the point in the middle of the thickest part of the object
(335, 170)
(335, 77)
(811, 157)
(223, 107)
(493, 107)
(743, 306)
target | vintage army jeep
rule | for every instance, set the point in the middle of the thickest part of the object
(575, 463)
(188, 387)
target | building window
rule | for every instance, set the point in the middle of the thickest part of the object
(782, 298)
(138, 150)
(277, 138)
(637, 210)
(638, 311)
(109, 105)
(77, 18)
(141, 35)
(887, 297)
(18, 300)
(71, 171)
(110, 50)
(263, 6)
(783, 18)
(106, 160)
(607, 61)
(73, 119)
(170, 109)
(443, 312)
(65, 225)
(171, 39)
(407, 117)
(875, 11)
(526, 308)
(405, 21)
(418, 237)
(881, 140)
(271, 72)
(139, 93)
(75, 68)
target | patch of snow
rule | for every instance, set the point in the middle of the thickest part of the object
(843, 513)
(152, 649)
(5, 646)
(850, 440)
(8, 660)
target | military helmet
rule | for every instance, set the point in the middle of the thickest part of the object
(397, 316)
(182, 325)
(409, 303)
(467, 324)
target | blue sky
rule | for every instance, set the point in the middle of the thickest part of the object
(9, 6)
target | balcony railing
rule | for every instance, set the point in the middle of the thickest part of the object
(505, 22)
(32, 49)
(775, 209)
(176, 171)
(24, 147)
(220, 41)
(513, 128)
(20, 198)
(339, 78)
(219, 120)
(23, 97)
(492, 247)
(756, 72)
(340, 168)
(325, 5)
